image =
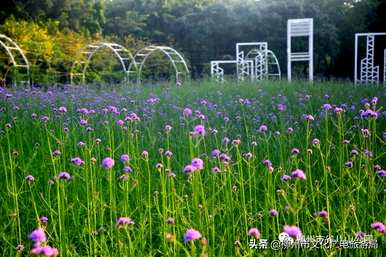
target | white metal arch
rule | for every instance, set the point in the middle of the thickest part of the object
(176, 59)
(264, 63)
(273, 61)
(15, 54)
(124, 56)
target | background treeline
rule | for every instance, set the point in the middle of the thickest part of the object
(52, 32)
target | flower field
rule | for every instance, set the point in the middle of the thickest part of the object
(198, 170)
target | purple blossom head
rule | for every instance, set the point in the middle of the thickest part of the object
(382, 173)
(64, 175)
(43, 220)
(191, 235)
(38, 236)
(349, 164)
(127, 169)
(83, 122)
(295, 151)
(293, 231)
(225, 140)
(263, 128)
(359, 234)
(322, 214)
(187, 112)
(281, 107)
(374, 101)
(125, 158)
(273, 213)
(168, 154)
(285, 178)
(120, 123)
(49, 251)
(236, 142)
(189, 169)
(379, 226)
(254, 232)
(309, 117)
(290, 130)
(199, 130)
(216, 170)
(267, 163)
(159, 166)
(145, 154)
(298, 173)
(123, 222)
(62, 109)
(338, 110)
(56, 153)
(315, 142)
(327, 107)
(77, 161)
(198, 163)
(225, 158)
(108, 163)
(216, 153)
(30, 178)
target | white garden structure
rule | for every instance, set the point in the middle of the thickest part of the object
(124, 56)
(369, 72)
(176, 59)
(257, 64)
(300, 28)
(217, 70)
(16, 56)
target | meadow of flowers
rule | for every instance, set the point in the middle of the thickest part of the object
(197, 170)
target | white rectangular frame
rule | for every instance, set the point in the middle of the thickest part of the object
(357, 35)
(300, 28)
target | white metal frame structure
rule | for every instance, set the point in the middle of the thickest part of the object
(384, 67)
(256, 64)
(123, 55)
(258, 57)
(263, 64)
(217, 72)
(300, 28)
(369, 73)
(16, 56)
(176, 59)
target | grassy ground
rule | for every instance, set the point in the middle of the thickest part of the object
(263, 131)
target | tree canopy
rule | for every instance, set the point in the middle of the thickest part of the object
(202, 30)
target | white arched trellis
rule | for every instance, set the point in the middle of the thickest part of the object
(266, 64)
(124, 56)
(16, 55)
(179, 65)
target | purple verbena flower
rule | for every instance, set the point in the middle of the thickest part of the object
(191, 235)
(108, 163)
(254, 232)
(198, 163)
(199, 130)
(38, 236)
(293, 231)
(379, 226)
(298, 173)
(125, 158)
(124, 222)
(77, 161)
(64, 175)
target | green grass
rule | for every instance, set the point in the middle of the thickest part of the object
(83, 211)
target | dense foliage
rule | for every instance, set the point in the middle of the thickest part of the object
(201, 29)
